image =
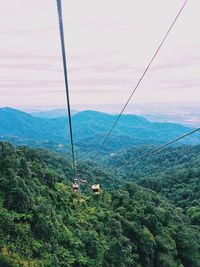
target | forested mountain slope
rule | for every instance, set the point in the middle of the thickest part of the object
(89, 128)
(42, 223)
(115, 143)
(22, 125)
(173, 172)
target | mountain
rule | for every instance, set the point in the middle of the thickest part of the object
(115, 143)
(89, 129)
(21, 124)
(52, 114)
(42, 223)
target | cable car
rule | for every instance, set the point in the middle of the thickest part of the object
(83, 181)
(75, 187)
(96, 189)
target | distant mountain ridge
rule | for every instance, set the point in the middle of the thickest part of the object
(89, 128)
(52, 114)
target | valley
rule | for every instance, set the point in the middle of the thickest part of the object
(147, 213)
(43, 224)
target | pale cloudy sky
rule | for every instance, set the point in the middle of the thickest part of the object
(109, 43)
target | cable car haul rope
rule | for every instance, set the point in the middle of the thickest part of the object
(77, 182)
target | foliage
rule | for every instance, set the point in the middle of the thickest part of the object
(43, 224)
(174, 173)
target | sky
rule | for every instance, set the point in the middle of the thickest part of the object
(108, 43)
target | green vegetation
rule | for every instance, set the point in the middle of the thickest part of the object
(173, 172)
(42, 223)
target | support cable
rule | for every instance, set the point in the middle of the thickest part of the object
(141, 78)
(144, 156)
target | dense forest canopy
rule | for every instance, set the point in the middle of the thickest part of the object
(43, 224)
(173, 173)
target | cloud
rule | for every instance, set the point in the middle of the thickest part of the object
(30, 66)
(23, 84)
(107, 50)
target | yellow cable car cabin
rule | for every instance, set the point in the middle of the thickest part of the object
(96, 189)
(83, 181)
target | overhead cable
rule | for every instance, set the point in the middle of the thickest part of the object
(140, 80)
(64, 59)
(144, 156)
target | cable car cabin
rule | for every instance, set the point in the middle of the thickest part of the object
(83, 181)
(96, 189)
(75, 187)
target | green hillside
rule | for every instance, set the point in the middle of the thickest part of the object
(42, 223)
(173, 173)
